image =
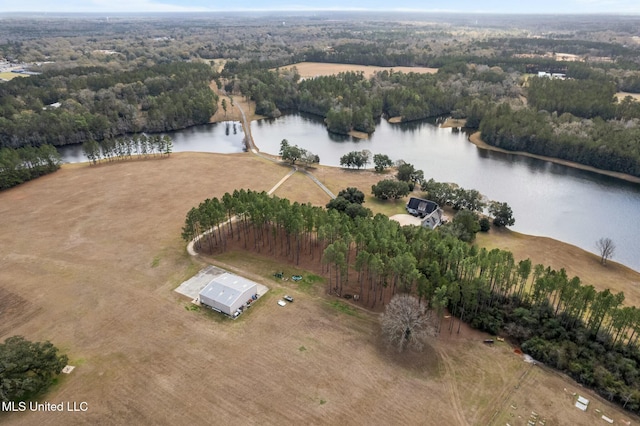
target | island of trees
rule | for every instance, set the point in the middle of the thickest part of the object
(589, 334)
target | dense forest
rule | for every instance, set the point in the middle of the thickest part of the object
(589, 334)
(79, 104)
(608, 145)
(349, 101)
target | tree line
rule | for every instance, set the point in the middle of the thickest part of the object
(126, 147)
(609, 145)
(27, 163)
(587, 333)
(348, 101)
(80, 104)
(577, 119)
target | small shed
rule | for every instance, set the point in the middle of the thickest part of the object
(226, 293)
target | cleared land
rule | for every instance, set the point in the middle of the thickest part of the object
(316, 69)
(233, 113)
(621, 95)
(11, 75)
(90, 256)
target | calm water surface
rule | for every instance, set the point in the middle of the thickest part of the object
(547, 199)
(226, 138)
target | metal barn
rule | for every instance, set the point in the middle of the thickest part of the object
(227, 292)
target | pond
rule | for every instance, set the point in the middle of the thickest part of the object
(570, 205)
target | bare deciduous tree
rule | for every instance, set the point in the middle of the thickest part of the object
(406, 323)
(607, 248)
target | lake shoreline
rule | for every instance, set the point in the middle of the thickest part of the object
(462, 139)
(477, 141)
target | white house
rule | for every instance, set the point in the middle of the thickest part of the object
(429, 211)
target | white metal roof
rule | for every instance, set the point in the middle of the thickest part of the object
(227, 288)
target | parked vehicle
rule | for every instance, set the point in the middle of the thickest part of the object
(282, 302)
(288, 298)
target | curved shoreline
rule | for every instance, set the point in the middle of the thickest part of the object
(477, 141)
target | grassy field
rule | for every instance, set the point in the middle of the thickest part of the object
(621, 95)
(300, 188)
(315, 69)
(11, 75)
(91, 255)
(574, 260)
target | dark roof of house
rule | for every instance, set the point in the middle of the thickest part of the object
(420, 205)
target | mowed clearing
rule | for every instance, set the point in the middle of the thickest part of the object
(316, 69)
(90, 257)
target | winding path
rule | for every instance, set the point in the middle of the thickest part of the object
(452, 389)
(251, 146)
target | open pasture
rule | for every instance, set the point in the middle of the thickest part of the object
(316, 69)
(90, 256)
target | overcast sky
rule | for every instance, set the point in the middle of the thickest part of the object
(475, 6)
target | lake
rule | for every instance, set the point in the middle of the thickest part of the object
(570, 205)
(226, 137)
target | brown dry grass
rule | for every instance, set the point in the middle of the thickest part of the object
(454, 122)
(11, 75)
(233, 113)
(337, 179)
(315, 69)
(621, 95)
(90, 256)
(300, 188)
(574, 260)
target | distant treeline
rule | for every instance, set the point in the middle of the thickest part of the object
(575, 120)
(79, 104)
(24, 164)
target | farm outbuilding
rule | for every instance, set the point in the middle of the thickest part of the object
(227, 293)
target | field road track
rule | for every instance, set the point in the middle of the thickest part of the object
(452, 388)
(251, 146)
(283, 180)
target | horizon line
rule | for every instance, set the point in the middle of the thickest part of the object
(352, 10)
